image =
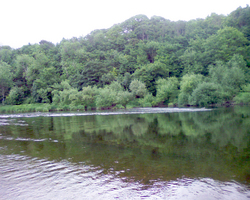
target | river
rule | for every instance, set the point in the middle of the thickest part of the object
(143, 153)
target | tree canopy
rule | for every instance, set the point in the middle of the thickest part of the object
(141, 61)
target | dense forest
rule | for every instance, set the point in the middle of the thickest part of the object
(139, 62)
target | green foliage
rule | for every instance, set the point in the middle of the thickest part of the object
(106, 79)
(7, 55)
(205, 94)
(230, 77)
(16, 96)
(88, 96)
(64, 94)
(106, 98)
(150, 49)
(71, 73)
(237, 61)
(124, 97)
(112, 95)
(23, 65)
(138, 88)
(244, 96)
(125, 80)
(5, 80)
(183, 99)
(188, 84)
(115, 86)
(148, 101)
(150, 73)
(240, 19)
(225, 43)
(68, 96)
(167, 90)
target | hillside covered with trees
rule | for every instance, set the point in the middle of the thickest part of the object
(139, 62)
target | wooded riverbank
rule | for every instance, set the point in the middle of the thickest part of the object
(140, 62)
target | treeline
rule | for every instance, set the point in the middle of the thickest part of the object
(139, 62)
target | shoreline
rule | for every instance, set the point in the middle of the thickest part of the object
(10, 109)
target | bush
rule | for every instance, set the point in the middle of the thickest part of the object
(188, 84)
(119, 106)
(123, 97)
(205, 94)
(148, 101)
(167, 90)
(88, 96)
(106, 98)
(134, 103)
(115, 86)
(183, 99)
(230, 76)
(16, 96)
(244, 96)
(138, 88)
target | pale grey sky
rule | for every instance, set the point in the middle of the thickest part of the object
(30, 21)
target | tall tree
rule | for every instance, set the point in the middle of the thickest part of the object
(5, 80)
(225, 43)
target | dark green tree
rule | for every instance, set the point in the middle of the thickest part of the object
(5, 80)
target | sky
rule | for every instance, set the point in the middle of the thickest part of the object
(30, 21)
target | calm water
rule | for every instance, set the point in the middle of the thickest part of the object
(154, 153)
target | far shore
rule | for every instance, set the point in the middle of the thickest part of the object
(44, 107)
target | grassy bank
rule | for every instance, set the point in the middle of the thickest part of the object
(46, 107)
(39, 107)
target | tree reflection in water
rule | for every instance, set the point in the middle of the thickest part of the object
(143, 147)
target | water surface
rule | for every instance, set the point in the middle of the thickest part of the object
(148, 153)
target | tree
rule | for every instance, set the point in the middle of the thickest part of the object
(46, 46)
(193, 59)
(5, 79)
(125, 80)
(23, 74)
(244, 96)
(240, 19)
(225, 43)
(116, 40)
(188, 84)
(64, 94)
(88, 96)
(229, 76)
(138, 88)
(149, 73)
(106, 98)
(167, 90)
(111, 95)
(124, 97)
(7, 55)
(16, 96)
(206, 94)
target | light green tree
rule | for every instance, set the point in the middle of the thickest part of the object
(138, 88)
(187, 85)
(205, 94)
(230, 78)
(167, 90)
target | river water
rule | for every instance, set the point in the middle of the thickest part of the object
(145, 153)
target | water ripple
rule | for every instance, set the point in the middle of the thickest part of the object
(27, 139)
(23, 177)
(4, 121)
(119, 112)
